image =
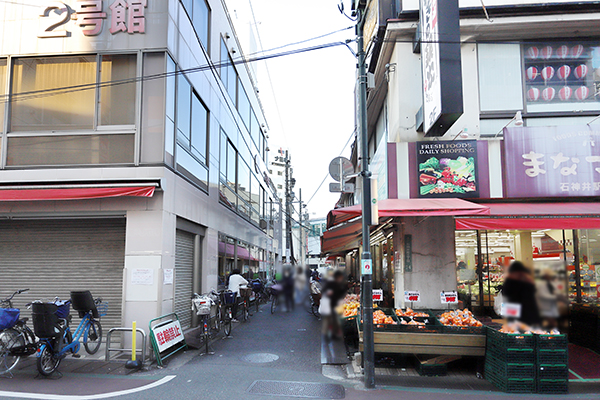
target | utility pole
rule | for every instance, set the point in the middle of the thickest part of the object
(367, 277)
(301, 227)
(289, 184)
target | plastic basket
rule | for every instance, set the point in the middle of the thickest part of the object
(228, 297)
(516, 356)
(551, 342)
(202, 305)
(556, 371)
(8, 317)
(510, 340)
(511, 385)
(102, 309)
(552, 357)
(553, 386)
(45, 320)
(510, 370)
(63, 309)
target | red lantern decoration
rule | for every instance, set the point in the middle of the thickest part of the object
(546, 52)
(562, 52)
(565, 93)
(547, 73)
(532, 73)
(581, 71)
(576, 51)
(532, 53)
(582, 93)
(548, 94)
(563, 72)
(533, 94)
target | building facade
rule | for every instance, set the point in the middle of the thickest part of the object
(133, 135)
(527, 135)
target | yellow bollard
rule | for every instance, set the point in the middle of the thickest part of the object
(133, 344)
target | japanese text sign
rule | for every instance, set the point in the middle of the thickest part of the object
(412, 296)
(512, 310)
(168, 335)
(552, 161)
(449, 297)
(377, 295)
(367, 267)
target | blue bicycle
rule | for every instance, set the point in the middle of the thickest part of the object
(51, 325)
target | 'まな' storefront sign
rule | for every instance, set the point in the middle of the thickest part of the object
(552, 161)
(447, 169)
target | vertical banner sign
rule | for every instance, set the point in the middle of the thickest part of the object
(440, 65)
(408, 267)
(447, 169)
(367, 267)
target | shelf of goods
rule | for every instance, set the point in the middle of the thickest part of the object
(424, 334)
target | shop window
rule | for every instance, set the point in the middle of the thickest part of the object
(201, 21)
(3, 70)
(500, 84)
(69, 150)
(68, 110)
(589, 267)
(117, 102)
(561, 76)
(170, 111)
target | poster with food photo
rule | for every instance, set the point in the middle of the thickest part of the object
(447, 169)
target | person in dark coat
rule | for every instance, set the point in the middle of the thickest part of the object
(519, 288)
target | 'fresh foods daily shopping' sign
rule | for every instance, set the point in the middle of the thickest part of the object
(447, 169)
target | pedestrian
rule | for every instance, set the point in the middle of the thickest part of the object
(519, 288)
(315, 288)
(288, 288)
(236, 281)
(335, 289)
(547, 298)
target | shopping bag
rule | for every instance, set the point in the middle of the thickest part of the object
(8, 317)
(325, 306)
(498, 300)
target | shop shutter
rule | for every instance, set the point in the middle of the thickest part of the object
(53, 257)
(184, 275)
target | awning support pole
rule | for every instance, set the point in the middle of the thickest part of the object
(480, 272)
(577, 264)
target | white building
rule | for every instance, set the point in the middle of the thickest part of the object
(133, 158)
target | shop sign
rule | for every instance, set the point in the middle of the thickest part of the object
(450, 297)
(552, 161)
(168, 335)
(377, 294)
(440, 65)
(512, 310)
(90, 15)
(447, 169)
(412, 296)
(367, 267)
(408, 267)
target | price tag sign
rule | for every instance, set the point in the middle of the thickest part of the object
(412, 296)
(377, 294)
(511, 310)
(449, 297)
(367, 267)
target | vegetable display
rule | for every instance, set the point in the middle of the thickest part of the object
(446, 175)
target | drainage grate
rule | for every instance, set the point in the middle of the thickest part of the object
(260, 358)
(298, 389)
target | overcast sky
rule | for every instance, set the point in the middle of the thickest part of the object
(312, 112)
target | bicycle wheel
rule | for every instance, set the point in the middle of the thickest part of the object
(245, 312)
(227, 323)
(257, 300)
(218, 319)
(93, 337)
(274, 303)
(46, 362)
(9, 339)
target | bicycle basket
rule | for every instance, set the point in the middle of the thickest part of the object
(245, 292)
(45, 320)
(83, 302)
(202, 305)
(63, 309)
(102, 309)
(8, 317)
(257, 286)
(228, 297)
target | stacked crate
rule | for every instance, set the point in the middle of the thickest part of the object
(552, 364)
(510, 361)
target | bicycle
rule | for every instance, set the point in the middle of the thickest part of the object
(260, 295)
(208, 308)
(245, 294)
(16, 339)
(275, 290)
(51, 325)
(228, 299)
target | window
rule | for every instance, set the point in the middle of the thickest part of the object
(117, 102)
(3, 70)
(244, 106)
(184, 108)
(561, 76)
(244, 177)
(280, 173)
(229, 76)
(279, 187)
(231, 166)
(201, 21)
(153, 123)
(70, 110)
(500, 87)
(255, 131)
(170, 103)
(199, 129)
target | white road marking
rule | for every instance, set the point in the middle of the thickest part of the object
(43, 396)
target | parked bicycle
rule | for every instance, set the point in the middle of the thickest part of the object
(228, 299)
(16, 339)
(244, 304)
(208, 308)
(260, 294)
(274, 293)
(51, 325)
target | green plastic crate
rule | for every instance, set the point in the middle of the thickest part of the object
(553, 386)
(553, 371)
(516, 356)
(552, 357)
(551, 342)
(509, 340)
(510, 370)
(512, 385)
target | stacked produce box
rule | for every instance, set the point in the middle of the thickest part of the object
(523, 360)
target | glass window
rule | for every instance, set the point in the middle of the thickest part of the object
(201, 21)
(223, 155)
(65, 150)
(561, 76)
(500, 86)
(243, 180)
(187, 4)
(255, 130)
(3, 93)
(199, 128)
(244, 106)
(224, 60)
(231, 166)
(255, 193)
(184, 93)
(153, 123)
(67, 110)
(117, 102)
(190, 167)
(170, 100)
(232, 79)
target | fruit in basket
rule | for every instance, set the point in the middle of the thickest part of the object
(524, 329)
(410, 313)
(463, 318)
(348, 309)
(379, 318)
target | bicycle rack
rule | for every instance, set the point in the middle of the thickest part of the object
(124, 350)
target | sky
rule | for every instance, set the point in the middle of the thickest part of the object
(310, 108)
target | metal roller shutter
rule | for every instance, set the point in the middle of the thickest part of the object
(184, 276)
(53, 257)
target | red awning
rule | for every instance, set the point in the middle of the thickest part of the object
(533, 216)
(73, 193)
(341, 239)
(410, 208)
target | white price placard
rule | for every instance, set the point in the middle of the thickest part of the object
(377, 294)
(512, 310)
(450, 297)
(412, 296)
